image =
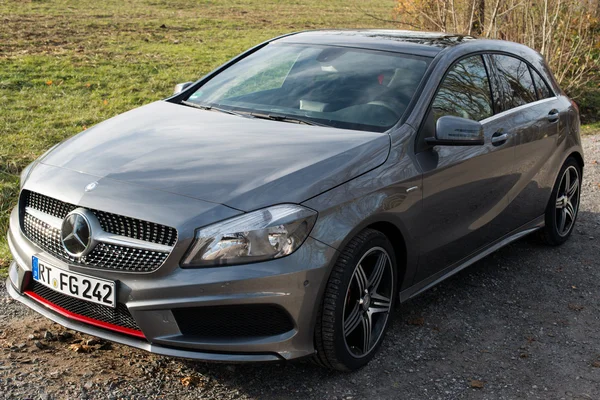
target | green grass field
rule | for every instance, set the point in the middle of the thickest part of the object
(67, 65)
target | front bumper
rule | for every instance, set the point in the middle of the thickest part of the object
(294, 284)
(134, 342)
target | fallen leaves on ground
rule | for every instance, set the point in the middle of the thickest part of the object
(81, 348)
(477, 384)
(417, 321)
(575, 307)
(190, 381)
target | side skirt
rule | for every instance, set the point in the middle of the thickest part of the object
(466, 262)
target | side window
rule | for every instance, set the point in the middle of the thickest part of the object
(465, 92)
(515, 81)
(542, 89)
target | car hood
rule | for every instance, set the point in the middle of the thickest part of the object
(243, 163)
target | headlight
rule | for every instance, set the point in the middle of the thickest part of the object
(257, 236)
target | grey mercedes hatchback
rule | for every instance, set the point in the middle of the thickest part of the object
(281, 206)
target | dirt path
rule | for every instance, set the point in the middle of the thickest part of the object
(522, 323)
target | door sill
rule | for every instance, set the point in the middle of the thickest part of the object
(433, 280)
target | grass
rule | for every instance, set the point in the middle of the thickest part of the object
(67, 65)
(590, 129)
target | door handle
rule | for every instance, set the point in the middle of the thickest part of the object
(553, 115)
(499, 138)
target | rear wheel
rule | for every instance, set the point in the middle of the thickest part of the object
(358, 303)
(561, 212)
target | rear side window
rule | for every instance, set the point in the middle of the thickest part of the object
(465, 91)
(542, 89)
(515, 81)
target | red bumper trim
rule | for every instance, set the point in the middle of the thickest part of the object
(81, 318)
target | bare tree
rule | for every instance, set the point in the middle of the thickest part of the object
(566, 32)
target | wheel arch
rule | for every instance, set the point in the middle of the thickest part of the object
(396, 238)
(405, 249)
(577, 156)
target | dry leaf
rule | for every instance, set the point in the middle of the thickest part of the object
(190, 381)
(530, 339)
(575, 307)
(80, 348)
(88, 84)
(596, 364)
(524, 355)
(418, 321)
(476, 384)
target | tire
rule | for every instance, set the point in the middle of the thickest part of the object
(359, 297)
(563, 205)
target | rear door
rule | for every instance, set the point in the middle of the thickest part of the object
(538, 117)
(465, 189)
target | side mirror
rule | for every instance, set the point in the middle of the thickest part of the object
(180, 87)
(456, 131)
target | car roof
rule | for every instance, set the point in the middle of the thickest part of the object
(427, 44)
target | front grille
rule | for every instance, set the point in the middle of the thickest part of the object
(47, 204)
(119, 316)
(252, 320)
(111, 223)
(104, 255)
(136, 229)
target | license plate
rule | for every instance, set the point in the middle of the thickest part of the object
(94, 290)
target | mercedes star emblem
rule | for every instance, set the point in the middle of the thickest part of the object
(91, 186)
(76, 232)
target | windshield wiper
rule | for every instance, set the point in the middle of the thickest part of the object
(212, 108)
(269, 116)
(285, 118)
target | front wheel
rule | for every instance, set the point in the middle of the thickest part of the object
(358, 303)
(562, 209)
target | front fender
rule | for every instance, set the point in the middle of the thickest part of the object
(381, 196)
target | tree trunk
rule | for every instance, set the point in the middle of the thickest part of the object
(479, 17)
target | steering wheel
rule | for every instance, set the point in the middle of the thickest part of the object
(389, 107)
(395, 104)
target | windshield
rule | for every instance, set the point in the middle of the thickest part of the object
(335, 86)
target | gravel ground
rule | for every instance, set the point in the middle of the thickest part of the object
(522, 323)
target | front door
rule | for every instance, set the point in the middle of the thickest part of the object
(465, 189)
